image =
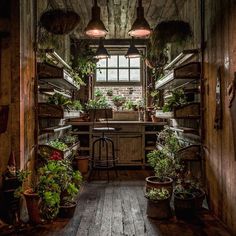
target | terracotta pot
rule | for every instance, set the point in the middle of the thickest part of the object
(154, 182)
(32, 202)
(159, 209)
(184, 205)
(154, 118)
(82, 164)
(67, 211)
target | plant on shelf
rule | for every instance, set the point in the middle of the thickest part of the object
(177, 98)
(76, 105)
(158, 204)
(118, 101)
(98, 94)
(69, 139)
(58, 145)
(109, 92)
(130, 105)
(100, 103)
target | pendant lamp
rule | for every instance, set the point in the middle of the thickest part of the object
(140, 27)
(101, 52)
(95, 27)
(132, 51)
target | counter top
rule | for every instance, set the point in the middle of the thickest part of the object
(76, 122)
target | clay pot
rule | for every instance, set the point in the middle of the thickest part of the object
(82, 164)
(184, 204)
(67, 211)
(154, 182)
(32, 202)
(159, 209)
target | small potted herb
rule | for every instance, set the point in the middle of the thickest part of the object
(118, 101)
(109, 92)
(164, 168)
(158, 204)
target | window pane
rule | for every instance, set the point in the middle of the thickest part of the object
(134, 74)
(123, 75)
(135, 62)
(112, 62)
(123, 61)
(112, 75)
(101, 63)
(101, 75)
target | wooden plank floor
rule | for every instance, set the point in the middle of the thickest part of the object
(119, 208)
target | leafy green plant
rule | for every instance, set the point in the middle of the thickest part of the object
(156, 194)
(21, 175)
(100, 103)
(98, 93)
(69, 139)
(76, 105)
(83, 60)
(58, 144)
(188, 186)
(153, 157)
(59, 99)
(109, 92)
(129, 105)
(177, 98)
(49, 188)
(118, 100)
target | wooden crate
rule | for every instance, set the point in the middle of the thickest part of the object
(125, 115)
(95, 114)
(191, 110)
(50, 110)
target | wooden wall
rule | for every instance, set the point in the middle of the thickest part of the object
(220, 156)
(17, 80)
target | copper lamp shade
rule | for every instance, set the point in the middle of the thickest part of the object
(95, 27)
(101, 52)
(132, 51)
(140, 27)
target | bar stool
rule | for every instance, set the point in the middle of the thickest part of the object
(102, 159)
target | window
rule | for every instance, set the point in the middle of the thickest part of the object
(118, 69)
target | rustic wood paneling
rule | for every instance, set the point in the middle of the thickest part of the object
(17, 85)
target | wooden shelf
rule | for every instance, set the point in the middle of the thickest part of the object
(180, 76)
(185, 130)
(55, 129)
(53, 76)
(150, 148)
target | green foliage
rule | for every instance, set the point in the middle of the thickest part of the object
(59, 99)
(83, 62)
(109, 92)
(69, 139)
(58, 144)
(170, 140)
(188, 186)
(76, 105)
(98, 93)
(177, 98)
(58, 184)
(129, 105)
(157, 194)
(100, 103)
(21, 175)
(154, 155)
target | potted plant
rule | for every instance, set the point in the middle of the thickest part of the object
(158, 204)
(177, 98)
(118, 101)
(99, 108)
(164, 168)
(82, 164)
(70, 182)
(110, 92)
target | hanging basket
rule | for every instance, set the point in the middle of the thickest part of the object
(172, 31)
(59, 21)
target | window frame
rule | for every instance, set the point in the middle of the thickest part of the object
(122, 52)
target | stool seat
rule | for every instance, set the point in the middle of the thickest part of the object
(104, 129)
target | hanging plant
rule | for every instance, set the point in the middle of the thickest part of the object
(83, 61)
(59, 21)
(173, 31)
